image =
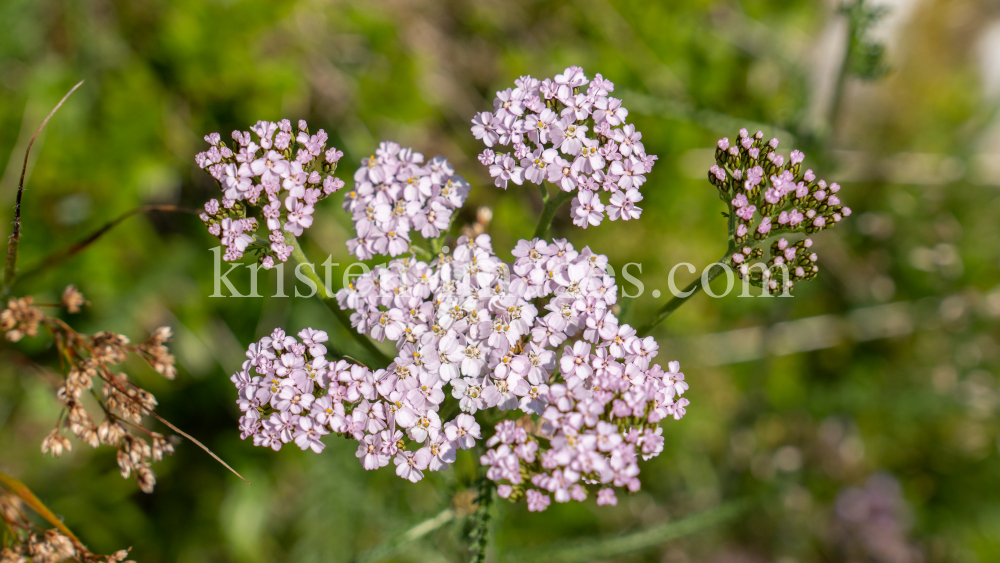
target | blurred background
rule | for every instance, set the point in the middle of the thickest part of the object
(863, 413)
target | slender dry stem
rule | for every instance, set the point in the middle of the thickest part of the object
(10, 269)
(166, 422)
(70, 251)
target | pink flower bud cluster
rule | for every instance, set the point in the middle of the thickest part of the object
(756, 181)
(395, 194)
(293, 171)
(547, 122)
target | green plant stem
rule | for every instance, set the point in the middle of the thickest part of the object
(688, 292)
(842, 72)
(330, 301)
(859, 19)
(697, 285)
(552, 204)
(387, 549)
(421, 253)
(613, 547)
(544, 192)
(480, 535)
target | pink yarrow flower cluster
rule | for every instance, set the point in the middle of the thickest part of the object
(278, 387)
(395, 195)
(467, 321)
(298, 396)
(467, 333)
(281, 171)
(767, 196)
(473, 334)
(593, 430)
(568, 131)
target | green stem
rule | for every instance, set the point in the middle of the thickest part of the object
(330, 301)
(845, 65)
(690, 291)
(544, 192)
(697, 285)
(388, 549)
(552, 204)
(421, 253)
(614, 547)
(438, 243)
(481, 520)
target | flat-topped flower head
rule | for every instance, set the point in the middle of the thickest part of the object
(571, 132)
(474, 334)
(770, 196)
(281, 172)
(396, 196)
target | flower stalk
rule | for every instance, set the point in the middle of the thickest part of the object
(687, 293)
(330, 301)
(549, 209)
(482, 518)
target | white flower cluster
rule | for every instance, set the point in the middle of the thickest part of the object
(395, 194)
(546, 123)
(294, 171)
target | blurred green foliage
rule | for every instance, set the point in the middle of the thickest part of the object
(914, 149)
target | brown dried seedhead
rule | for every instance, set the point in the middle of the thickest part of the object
(88, 359)
(26, 541)
(21, 318)
(72, 299)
